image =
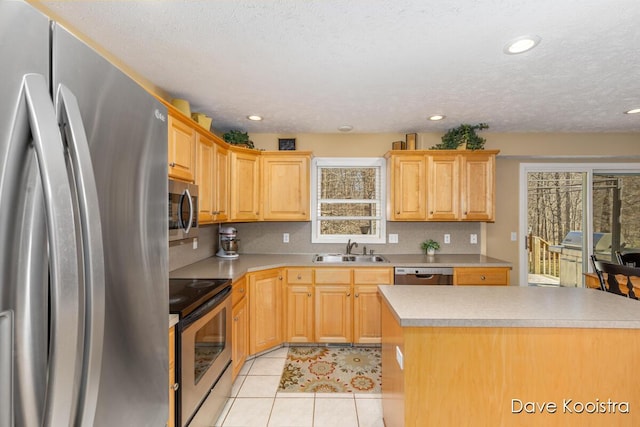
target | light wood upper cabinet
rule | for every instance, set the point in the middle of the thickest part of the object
(285, 186)
(182, 149)
(442, 185)
(478, 191)
(205, 177)
(245, 184)
(265, 310)
(408, 190)
(220, 182)
(443, 188)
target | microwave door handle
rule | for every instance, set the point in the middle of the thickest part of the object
(190, 211)
(63, 254)
(73, 132)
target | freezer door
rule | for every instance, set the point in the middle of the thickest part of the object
(127, 135)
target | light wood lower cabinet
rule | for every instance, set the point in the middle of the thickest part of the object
(239, 327)
(172, 377)
(334, 305)
(265, 310)
(496, 276)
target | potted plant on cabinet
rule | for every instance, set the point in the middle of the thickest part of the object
(237, 137)
(430, 246)
(463, 137)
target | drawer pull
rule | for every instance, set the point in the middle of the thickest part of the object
(175, 387)
(299, 276)
(482, 278)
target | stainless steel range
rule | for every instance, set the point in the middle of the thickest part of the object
(203, 362)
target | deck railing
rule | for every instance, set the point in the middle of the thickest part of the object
(541, 259)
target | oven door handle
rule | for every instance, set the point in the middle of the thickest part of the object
(204, 308)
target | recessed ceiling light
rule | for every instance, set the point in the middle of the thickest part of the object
(345, 128)
(634, 111)
(254, 117)
(521, 44)
(436, 117)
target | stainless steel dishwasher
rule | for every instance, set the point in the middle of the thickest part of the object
(423, 276)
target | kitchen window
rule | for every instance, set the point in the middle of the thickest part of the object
(348, 200)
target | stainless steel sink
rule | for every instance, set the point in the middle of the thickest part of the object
(342, 258)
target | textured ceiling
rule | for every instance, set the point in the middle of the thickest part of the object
(381, 65)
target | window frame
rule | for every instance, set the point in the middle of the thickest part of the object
(320, 162)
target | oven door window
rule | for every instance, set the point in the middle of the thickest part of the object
(210, 343)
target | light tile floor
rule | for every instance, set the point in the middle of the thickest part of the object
(256, 402)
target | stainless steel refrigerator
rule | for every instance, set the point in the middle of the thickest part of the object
(83, 234)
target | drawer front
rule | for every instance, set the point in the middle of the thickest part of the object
(480, 276)
(373, 276)
(238, 290)
(333, 276)
(299, 276)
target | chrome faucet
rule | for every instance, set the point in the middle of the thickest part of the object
(350, 246)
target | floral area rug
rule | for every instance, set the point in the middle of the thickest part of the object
(332, 370)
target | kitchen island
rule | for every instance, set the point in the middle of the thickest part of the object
(491, 356)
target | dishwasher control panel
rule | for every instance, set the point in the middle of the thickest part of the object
(423, 276)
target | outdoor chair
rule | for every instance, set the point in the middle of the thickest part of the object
(613, 273)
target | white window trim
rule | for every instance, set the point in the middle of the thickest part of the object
(590, 169)
(380, 162)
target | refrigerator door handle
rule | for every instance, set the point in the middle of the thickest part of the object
(64, 345)
(6, 368)
(75, 137)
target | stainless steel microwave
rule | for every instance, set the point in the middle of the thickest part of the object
(183, 210)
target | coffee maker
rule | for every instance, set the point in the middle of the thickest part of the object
(228, 242)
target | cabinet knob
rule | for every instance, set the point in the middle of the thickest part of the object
(235, 319)
(279, 277)
(356, 295)
(348, 294)
(482, 277)
(172, 164)
(397, 212)
(430, 212)
(175, 387)
(309, 294)
(299, 276)
(242, 290)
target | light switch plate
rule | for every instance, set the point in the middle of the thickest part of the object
(473, 239)
(285, 237)
(447, 238)
(514, 236)
(393, 238)
(195, 244)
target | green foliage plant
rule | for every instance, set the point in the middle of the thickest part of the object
(464, 135)
(237, 137)
(430, 244)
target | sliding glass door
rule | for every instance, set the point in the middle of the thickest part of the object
(570, 211)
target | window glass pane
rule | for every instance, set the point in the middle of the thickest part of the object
(351, 226)
(348, 209)
(348, 183)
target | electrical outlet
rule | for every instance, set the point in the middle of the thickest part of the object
(473, 239)
(285, 237)
(195, 244)
(447, 238)
(393, 238)
(514, 236)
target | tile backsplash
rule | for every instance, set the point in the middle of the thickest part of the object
(266, 238)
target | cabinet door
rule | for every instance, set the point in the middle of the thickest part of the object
(182, 150)
(366, 315)
(408, 187)
(221, 183)
(239, 336)
(285, 187)
(479, 187)
(333, 313)
(204, 177)
(245, 176)
(299, 313)
(265, 310)
(443, 195)
(367, 304)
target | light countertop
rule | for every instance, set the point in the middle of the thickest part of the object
(173, 319)
(510, 306)
(215, 267)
